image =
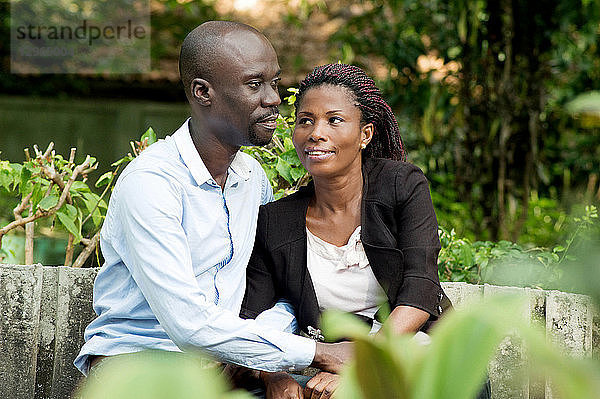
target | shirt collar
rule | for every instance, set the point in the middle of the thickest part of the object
(194, 163)
(240, 167)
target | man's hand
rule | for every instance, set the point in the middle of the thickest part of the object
(241, 377)
(321, 386)
(332, 357)
(281, 386)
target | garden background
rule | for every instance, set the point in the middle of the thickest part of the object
(495, 102)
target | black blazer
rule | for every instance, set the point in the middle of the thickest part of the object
(399, 234)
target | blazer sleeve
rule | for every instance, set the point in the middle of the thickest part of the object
(261, 293)
(418, 239)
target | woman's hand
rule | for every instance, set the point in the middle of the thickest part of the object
(321, 386)
(281, 386)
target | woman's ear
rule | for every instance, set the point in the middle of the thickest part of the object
(201, 91)
(366, 134)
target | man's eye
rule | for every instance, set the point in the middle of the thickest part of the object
(254, 84)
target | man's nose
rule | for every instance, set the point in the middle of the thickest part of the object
(271, 97)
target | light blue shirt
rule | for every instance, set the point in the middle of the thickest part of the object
(176, 248)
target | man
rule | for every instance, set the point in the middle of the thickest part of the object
(182, 218)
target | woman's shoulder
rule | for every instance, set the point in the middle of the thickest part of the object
(389, 173)
(284, 220)
(288, 203)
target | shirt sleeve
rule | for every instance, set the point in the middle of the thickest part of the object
(267, 190)
(155, 250)
(280, 317)
(418, 239)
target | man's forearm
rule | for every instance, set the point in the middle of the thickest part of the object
(332, 357)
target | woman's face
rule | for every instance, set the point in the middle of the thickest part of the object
(328, 134)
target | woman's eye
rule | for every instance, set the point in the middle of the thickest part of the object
(304, 121)
(335, 119)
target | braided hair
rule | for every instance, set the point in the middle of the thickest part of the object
(386, 142)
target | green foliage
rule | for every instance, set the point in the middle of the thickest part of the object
(480, 93)
(157, 375)
(279, 159)
(507, 263)
(33, 179)
(40, 185)
(586, 106)
(454, 365)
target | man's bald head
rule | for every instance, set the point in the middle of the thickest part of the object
(202, 49)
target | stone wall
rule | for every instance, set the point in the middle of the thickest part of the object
(44, 312)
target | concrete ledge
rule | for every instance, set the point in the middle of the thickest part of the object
(44, 311)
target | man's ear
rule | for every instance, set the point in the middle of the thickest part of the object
(201, 91)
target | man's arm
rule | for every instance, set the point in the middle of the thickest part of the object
(280, 317)
(154, 248)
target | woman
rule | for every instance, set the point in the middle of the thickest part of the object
(363, 230)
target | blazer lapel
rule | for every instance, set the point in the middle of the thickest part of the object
(308, 308)
(386, 261)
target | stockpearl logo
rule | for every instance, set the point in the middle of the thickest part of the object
(83, 37)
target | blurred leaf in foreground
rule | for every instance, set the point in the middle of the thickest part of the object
(158, 375)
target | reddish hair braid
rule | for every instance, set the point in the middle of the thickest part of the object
(386, 142)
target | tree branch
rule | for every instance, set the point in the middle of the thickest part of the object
(20, 221)
(69, 251)
(87, 251)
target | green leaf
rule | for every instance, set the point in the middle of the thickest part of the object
(39, 190)
(154, 375)
(126, 158)
(291, 157)
(5, 179)
(48, 202)
(297, 173)
(288, 144)
(68, 216)
(349, 387)
(271, 173)
(378, 374)
(558, 249)
(104, 179)
(90, 202)
(463, 345)
(25, 178)
(150, 135)
(338, 325)
(466, 255)
(80, 187)
(284, 170)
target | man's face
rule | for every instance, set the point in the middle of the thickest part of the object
(245, 99)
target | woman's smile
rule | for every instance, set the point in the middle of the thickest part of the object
(319, 154)
(328, 132)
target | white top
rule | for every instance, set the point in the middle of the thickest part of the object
(342, 276)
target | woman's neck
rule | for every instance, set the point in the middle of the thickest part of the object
(338, 193)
